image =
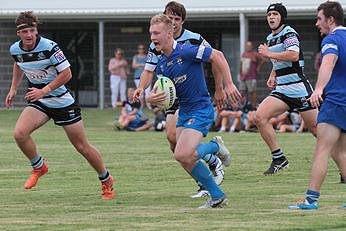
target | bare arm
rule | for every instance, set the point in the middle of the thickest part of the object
(230, 89)
(261, 61)
(218, 68)
(17, 76)
(145, 80)
(287, 55)
(271, 82)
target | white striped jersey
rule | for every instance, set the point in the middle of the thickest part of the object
(289, 75)
(41, 66)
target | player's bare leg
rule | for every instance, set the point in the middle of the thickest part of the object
(269, 108)
(76, 135)
(29, 120)
(171, 121)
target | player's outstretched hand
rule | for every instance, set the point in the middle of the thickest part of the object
(271, 82)
(232, 93)
(316, 98)
(220, 99)
(9, 98)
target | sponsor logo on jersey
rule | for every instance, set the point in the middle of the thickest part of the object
(41, 56)
(59, 56)
(36, 74)
(180, 79)
(179, 60)
(149, 57)
(292, 41)
(20, 58)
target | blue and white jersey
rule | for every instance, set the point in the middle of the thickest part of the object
(335, 43)
(41, 66)
(185, 37)
(184, 67)
(290, 78)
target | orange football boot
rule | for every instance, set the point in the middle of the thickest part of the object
(107, 189)
(35, 175)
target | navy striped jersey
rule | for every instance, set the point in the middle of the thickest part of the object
(290, 78)
(185, 37)
(41, 66)
(184, 67)
(335, 43)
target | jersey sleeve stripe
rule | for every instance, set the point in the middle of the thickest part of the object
(200, 52)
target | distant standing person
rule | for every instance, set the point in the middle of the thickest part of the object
(42, 62)
(251, 63)
(138, 63)
(118, 68)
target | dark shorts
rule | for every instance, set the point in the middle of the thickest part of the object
(334, 114)
(301, 103)
(61, 116)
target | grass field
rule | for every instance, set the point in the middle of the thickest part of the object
(153, 192)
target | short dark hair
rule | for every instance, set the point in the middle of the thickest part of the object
(175, 8)
(333, 9)
(26, 19)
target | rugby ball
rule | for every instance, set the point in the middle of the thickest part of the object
(165, 84)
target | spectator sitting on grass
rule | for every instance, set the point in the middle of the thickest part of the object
(132, 117)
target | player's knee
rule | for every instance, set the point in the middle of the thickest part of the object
(313, 129)
(19, 135)
(171, 136)
(181, 158)
(258, 119)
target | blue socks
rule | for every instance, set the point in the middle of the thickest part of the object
(312, 196)
(210, 159)
(202, 174)
(206, 149)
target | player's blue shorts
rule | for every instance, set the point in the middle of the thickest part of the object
(200, 120)
(331, 113)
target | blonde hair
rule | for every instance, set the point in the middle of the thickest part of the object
(162, 18)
